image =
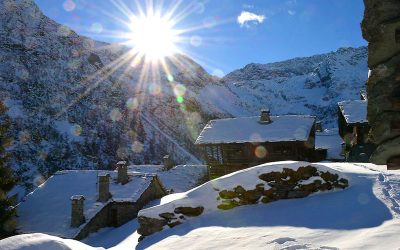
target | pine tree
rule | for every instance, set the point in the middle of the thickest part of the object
(7, 181)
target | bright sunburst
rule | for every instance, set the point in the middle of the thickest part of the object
(154, 36)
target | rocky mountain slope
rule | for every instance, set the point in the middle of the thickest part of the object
(311, 85)
(79, 103)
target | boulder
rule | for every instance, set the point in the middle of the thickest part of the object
(378, 12)
(225, 194)
(228, 204)
(167, 216)
(189, 211)
(298, 193)
(239, 190)
(385, 151)
(250, 197)
(376, 106)
(269, 177)
(149, 226)
(307, 172)
(384, 129)
(393, 163)
(174, 224)
(384, 47)
(328, 177)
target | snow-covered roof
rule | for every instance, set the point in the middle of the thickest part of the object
(363, 94)
(354, 111)
(330, 140)
(248, 129)
(48, 208)
(180, 178)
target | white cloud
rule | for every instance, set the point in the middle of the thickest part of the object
(246, 17)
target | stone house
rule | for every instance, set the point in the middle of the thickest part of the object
(75, 203)
(233, 144)
(354, 128)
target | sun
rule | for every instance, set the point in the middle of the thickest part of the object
(154, 36)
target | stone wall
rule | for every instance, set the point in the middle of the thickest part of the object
(381, 28)
(288, 184)
(117, 213)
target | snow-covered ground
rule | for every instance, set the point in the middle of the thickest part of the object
(363, 216)
(366, 215)
(38, 241)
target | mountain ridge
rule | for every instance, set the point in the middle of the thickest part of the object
(73, 108)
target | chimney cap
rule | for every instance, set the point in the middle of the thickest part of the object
(265, 116)
(78, 197)
(104, 175)
(266, 110)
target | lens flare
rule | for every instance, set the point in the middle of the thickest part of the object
(179, 90)
(260, 152)
(69, 5)
(115, 115)
(132, 104)
(170, 78)
(179, 99)
(96, 28)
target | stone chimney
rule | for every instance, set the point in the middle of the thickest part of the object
(122, 170)
(318, 126)
(265, 116)
(77, 217)
(104, 187)
(168, 163)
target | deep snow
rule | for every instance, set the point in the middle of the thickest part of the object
(364, 216)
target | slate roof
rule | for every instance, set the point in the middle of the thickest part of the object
(248, 129)
(354, 111)
(48, 208)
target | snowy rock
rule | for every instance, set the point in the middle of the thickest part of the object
(261, 184)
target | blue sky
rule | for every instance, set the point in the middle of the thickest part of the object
(230, 33)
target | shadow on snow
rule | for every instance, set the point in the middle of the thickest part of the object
(353, 208)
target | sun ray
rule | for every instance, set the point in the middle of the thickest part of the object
(121, 6)
(154, 41)
(105, 73)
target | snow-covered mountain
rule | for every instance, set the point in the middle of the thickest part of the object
(311, 85)
(79, 103)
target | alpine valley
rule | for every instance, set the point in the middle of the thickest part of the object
(76, 103)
